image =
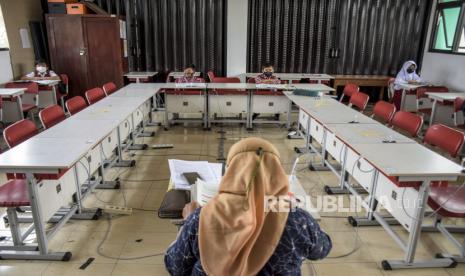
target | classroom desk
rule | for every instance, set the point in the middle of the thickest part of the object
(360, 150)
(140, 75)
(407, 163)
(44, 95)
(296, 76)
(12, 107)
(363, 80)
(408, 87)
(441, 98)
(49, 156)
(66, 148)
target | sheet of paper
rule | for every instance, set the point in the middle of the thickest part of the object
(271, 86)
(191, 84)
(46, 82)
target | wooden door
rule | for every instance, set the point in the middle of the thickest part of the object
(104, 57)
(66, 43)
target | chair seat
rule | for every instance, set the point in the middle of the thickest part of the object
(14, 193)
(452, 206)
(28, 107)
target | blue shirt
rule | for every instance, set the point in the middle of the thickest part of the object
(302, 239)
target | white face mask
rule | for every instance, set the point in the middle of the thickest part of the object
(41, 69)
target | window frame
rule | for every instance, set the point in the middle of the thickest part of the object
(458, 31)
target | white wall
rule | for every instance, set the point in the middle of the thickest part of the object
(6, 72)
(236, 56)
(443, 69)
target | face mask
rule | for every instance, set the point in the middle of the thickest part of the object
(41, 69)
(268, 74)
(410, 70)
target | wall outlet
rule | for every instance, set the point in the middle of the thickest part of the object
(111, 209)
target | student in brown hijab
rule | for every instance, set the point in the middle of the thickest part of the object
(234, 234)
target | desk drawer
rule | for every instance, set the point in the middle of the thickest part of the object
(270, 104)
(316, 131)
(54, 194)
(303, 120)
(360, 170)
(400, 202)
(109, 144)
(185, 103)
(89, 164)
(334, 146)
(227, 104)
(125, 129)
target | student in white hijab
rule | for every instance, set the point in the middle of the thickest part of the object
(406, 75)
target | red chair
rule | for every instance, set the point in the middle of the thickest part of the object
(75, 104)
(349, 89)
(211, 76)
(384, 111)
(458, 112)
(51, 116)
(94, 95)
(390, 89)
(109, 88)
(19, 132)
(424, 104)
(63, 94)
(359, 100)
(408, 122)
(448, 201)
(30, 98)
(228, 91)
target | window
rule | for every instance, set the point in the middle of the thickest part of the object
(3, 37)
(448, 34)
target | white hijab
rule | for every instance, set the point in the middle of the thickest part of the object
(404, 77)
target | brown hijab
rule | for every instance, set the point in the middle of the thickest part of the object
(236, 235)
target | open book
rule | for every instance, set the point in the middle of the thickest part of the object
(202, 192)
(271, 86)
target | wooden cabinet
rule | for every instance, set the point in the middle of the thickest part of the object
(88, 48)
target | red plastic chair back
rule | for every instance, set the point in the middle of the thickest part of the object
(19, 132)
(228, 91)
(64, 79)
(458, 104)
(94, 95)
(51, 116)
(109, 88)
(211, 76)
(359, 100)
(31, 87)
(384, 111)
(408, 122)
(445, 138)
(75, 104)
(349, 90)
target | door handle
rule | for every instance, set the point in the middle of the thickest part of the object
(82, 51)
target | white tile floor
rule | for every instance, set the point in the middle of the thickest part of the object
(143, 233)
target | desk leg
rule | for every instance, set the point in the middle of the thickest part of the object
(133, 135)
(341, 189)
(433, 112)
(324, 155)
(206, 115)
(19, 107)
(402, 100)
(381, 93)
(167, 122)
(54, 96)
(288, 123)
(414, 236)
(121, 162)
(249, 125)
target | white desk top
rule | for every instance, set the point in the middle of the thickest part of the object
(327, 110)
(441, 97)
(295, 76)
(407, 160)
(11, 92)
(89, 132)
(253, 86)
(367, 134)
(177, 75)
(408, 86)
(44, 155)
(47, 82)
(138, 90)
(140, 74)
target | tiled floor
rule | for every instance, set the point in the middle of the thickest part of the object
(143, 233)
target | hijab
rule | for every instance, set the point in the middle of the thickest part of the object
(236, 235)
(403, 76)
